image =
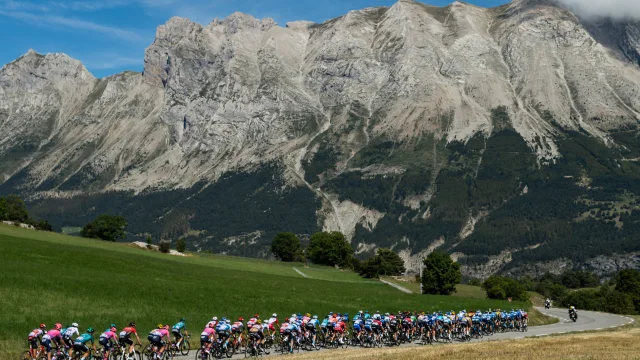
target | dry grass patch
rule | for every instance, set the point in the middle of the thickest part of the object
(618, 345)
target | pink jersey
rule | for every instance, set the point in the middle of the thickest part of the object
(109, 335)
(284, 327)
(208, 331)
(54, 334)
(163, 332)
(305, 319)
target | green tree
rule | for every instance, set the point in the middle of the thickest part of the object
(440, 274)
(149, 242)
(181, 245)
(370, 268)
(390, 262)
(628, 282)
(16, 209)
(502, 288)
(329, 249)
(106, 227)
(3, 209)
(286, 247)
(385, 262)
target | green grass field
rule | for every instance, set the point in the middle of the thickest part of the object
(462, 290)
(52, 278)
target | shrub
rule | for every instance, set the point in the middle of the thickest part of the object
(149, 242)
(181, 245)
(474, 282)
(502, 288)
(164, 246)
(106, 227)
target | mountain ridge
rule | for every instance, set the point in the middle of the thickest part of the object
(409, 126)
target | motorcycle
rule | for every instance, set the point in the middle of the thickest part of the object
(573, 316)
(547, 305)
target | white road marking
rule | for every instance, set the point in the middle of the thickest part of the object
(302, 274)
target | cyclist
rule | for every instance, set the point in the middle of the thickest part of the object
(34, 337)
(176, 330)
(311, 327)
(66, 337)
(107, 339)
(358, 326)
(255, 332)
(155, 338)
(207, 337)
(292, 331)
(252, 321)
(214, 321)
(125, 336)
(80, 344)
(52, 336)
(273, 322)
(223, 329)
(366, 314)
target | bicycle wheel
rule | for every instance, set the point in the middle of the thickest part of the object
(185, 347)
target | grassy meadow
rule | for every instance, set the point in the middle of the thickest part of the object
(48, 278)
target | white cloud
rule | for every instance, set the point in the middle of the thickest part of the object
(620, 9)
(71, 23)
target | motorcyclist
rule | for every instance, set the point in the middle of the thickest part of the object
(547, 303)
(573, 311)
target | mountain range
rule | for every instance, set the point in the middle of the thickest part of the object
(505, 136)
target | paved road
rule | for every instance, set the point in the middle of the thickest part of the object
(587, 321)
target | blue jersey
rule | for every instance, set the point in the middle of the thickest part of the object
(293, 327)
(223, 327)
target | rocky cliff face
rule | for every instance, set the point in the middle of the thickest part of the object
(413, 127)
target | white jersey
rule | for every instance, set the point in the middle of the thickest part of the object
(71, 331)
(272, 320)
(36, 333)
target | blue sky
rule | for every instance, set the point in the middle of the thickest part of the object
(110, 36)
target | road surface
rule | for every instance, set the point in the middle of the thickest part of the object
(587, 321)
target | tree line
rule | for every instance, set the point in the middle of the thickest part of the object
(12, 208)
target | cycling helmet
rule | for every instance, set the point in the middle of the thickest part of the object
(132, 324)
(293, 316)
(240, 319)
(112, 325)
(259, 321)
(315, 317)
(90, 330)
(256, 316)
(43, 326)
(215, 318)
(224, 319)
(182, 320)
(160, 326)
(307, 315)
(366, 311)
(274, 315)
(57, 326)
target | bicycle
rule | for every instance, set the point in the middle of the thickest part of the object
(183, 348)
(121, 353)
(39, 352)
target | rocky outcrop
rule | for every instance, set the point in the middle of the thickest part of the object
(323, 101)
